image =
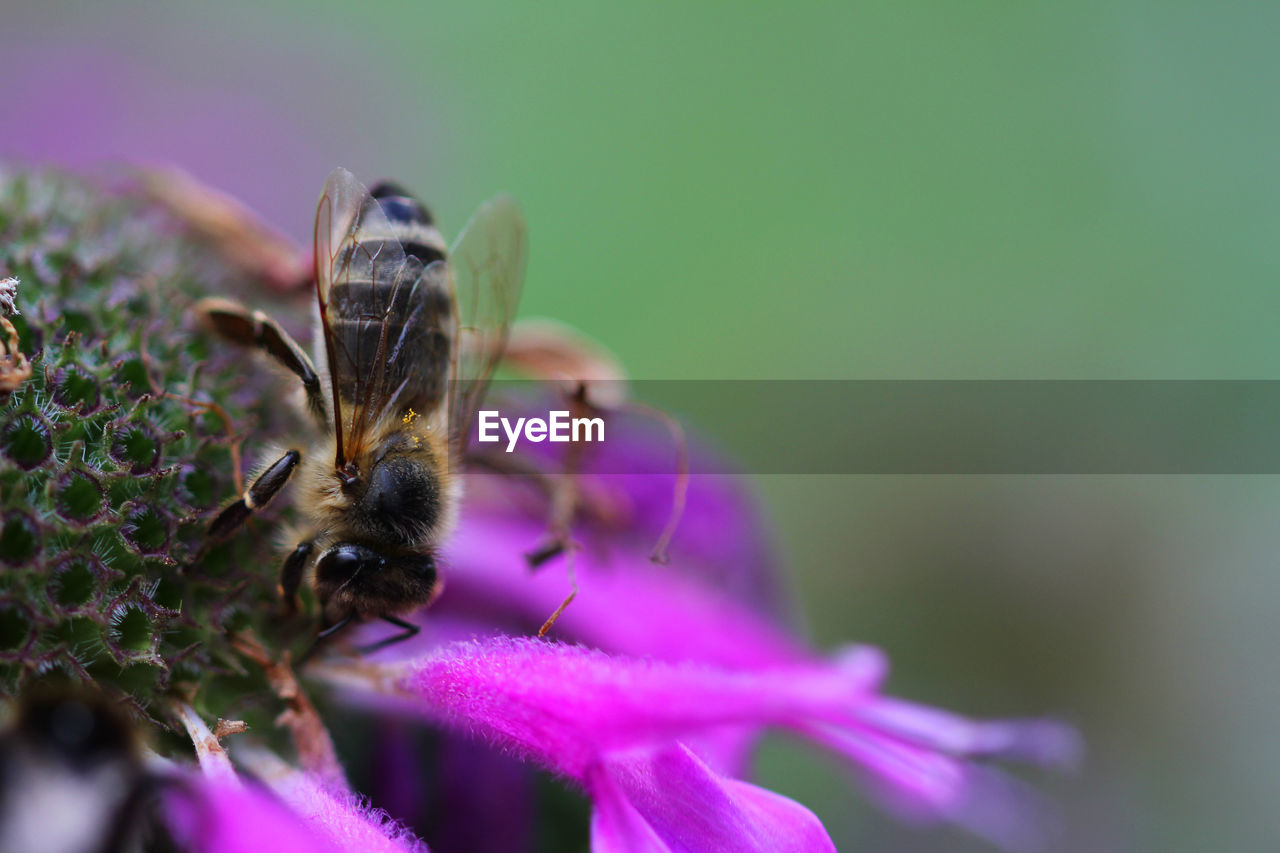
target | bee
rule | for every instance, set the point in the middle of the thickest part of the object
(72, 777)
(406, 336)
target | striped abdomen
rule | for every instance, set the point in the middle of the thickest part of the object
(391, 314)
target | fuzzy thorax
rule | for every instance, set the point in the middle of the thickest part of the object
(404, 495)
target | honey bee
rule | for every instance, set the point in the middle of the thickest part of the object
(72, 777)
(406, 337)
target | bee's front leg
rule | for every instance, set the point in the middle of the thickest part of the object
(258, 495)
(407, 630)
(325, 633)
(291, 575)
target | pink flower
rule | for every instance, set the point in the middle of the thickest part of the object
(671, 800)
(650, 699)
(222, 815)
(655, 744)
(669, 671)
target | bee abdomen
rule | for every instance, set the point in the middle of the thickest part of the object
(398, 205)
(411, 223)
(389, 322)
(428, 253)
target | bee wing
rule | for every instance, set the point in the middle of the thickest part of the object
(377, 306)
(345, 208)
(487, 265)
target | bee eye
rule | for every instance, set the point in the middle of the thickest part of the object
(345, 559)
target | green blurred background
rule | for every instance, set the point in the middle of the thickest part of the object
(848, 190)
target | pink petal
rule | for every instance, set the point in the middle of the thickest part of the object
(566, 705)
(672, 801)
(1045, 742)
(922, 785)
(342, 819)
(223, 816)
(625, 602)
(616, 825)
(572, 709)
(722, 537)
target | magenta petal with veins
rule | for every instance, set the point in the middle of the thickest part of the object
(669, 800)
(596, 718)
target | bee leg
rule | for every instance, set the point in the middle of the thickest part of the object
(249, 328)
(410, 630)
(325, 634)
(291, 575)
(568, 599)
(556, 541)
(255, 497)
(335, 627)
(565, 492)
(564, 499)
(563, 496)
(680, 487)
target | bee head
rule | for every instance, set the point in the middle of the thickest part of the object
(352, 576)
(346, 560)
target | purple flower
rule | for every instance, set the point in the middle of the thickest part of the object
(216, 812)
(664, 681)
(657, 685)
(671, 800)
(207, 815)
(647, 739)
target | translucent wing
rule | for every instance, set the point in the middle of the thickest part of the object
(487, 265)
(385, 320)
